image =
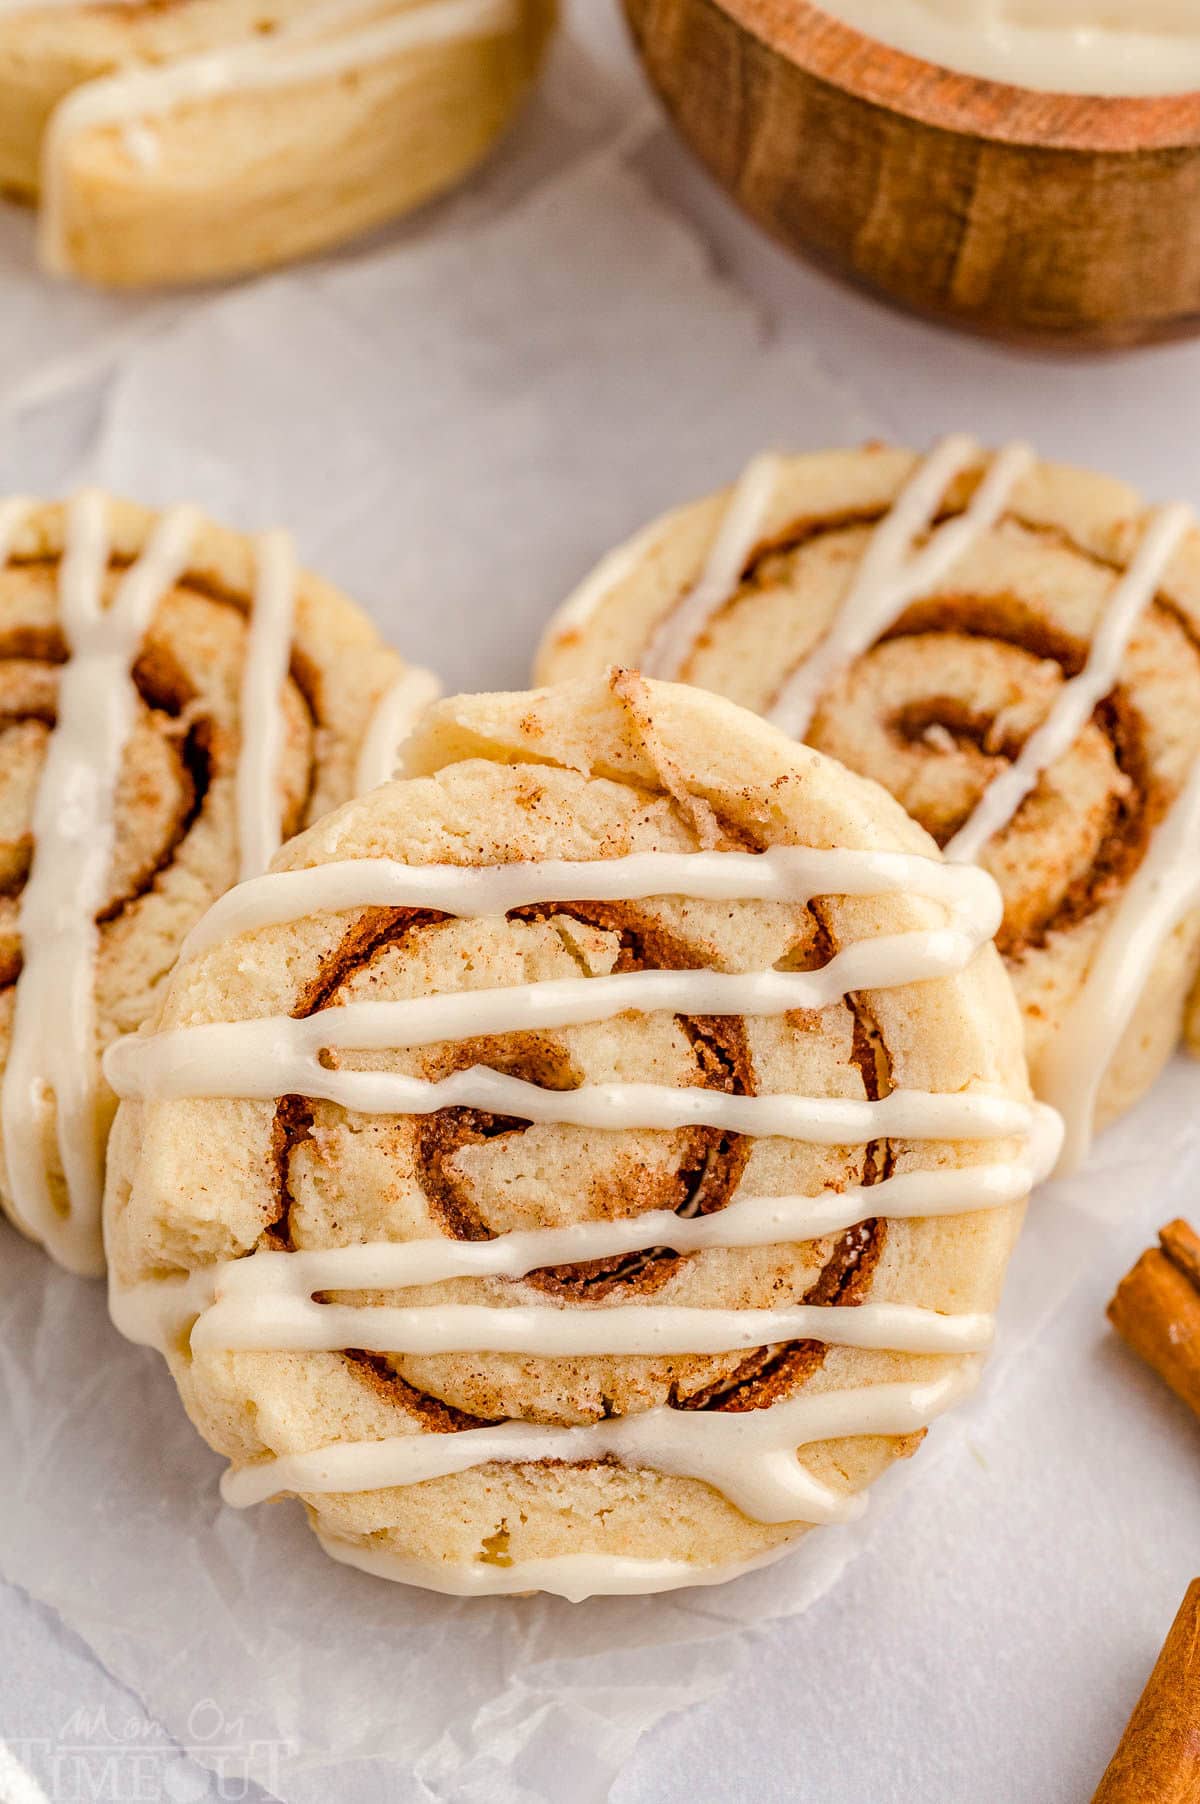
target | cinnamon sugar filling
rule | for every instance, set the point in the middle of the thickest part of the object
(1132, 816)
(705, 1181)
(1132, 813)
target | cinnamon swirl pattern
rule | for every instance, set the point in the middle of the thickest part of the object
(181, 143)
(608, 1165)
(1013, 649)
(176, 700)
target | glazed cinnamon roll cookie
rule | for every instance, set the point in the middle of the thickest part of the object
(510, 1175)
(176, 700)
(1013, 649)
(210, 137)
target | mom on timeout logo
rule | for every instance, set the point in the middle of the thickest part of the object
(95, 1759)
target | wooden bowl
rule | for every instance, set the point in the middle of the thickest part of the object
(1058, 219)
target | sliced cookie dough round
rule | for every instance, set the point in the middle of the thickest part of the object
(206, 138)
(175, 700)
(1013, 649)
(586, 1162)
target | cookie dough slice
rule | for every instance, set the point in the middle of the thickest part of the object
(585, 1163)
(1013, 649)
(208, 138)
(175, 700)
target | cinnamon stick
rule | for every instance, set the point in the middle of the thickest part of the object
(1157, 1310)
(1158, 1760)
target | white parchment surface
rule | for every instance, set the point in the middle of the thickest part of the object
(455, 422)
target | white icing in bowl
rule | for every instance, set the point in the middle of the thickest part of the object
(1066, 46)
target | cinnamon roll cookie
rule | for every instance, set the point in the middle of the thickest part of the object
(1013, 649)
(176, 699)
(584, 1163)
(176, 143)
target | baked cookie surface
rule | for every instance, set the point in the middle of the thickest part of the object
(508, 1175)
(1013, 649)
(207, 138)
(177, 699)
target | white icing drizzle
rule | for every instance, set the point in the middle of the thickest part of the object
(1063, 46)
(783, 874)
(297, 1324)
(260, 708)
(158, 1312)
(555, 1003)
(574, 1576)
(1078, 698)
(267, 1300)
(332, 39)
(396, 714)
(749, 1456)
(1162, 891)
(51, 1072)
(892, 576)
(219, 1060)
(732, 548)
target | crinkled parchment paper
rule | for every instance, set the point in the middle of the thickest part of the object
(455, 422)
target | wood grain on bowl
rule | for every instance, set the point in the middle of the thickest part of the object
(1068, 220)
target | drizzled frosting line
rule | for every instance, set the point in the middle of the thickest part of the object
(745, 1222)
(783, 874)
(51, 1078)
(260, 714)
(736, 539)
(750, 1456)
(1078, 698)
(573, 1001)
(213, 1062)
(157, 1311)
(297, 1324)
(1163, 890)
(396, 713)
(892, 576)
